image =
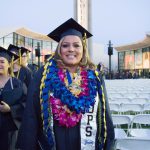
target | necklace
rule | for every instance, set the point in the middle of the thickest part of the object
(73, 82)
(84, 101)
(61, 112)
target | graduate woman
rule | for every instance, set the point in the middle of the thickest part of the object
(11, 109)
(21, 71)
(67, 106)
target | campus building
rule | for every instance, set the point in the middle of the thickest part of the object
(29, 39)
(135, 57)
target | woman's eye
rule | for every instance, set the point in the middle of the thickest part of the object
(76, 45)
(68, 45)
(65, 46)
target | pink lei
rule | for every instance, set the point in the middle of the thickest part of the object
(61, 112)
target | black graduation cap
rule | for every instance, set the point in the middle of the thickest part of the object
(24, 50)
(13, 48)
(7, 54)
(47, 56)
(70, 27)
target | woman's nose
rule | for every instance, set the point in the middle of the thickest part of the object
(71, 48)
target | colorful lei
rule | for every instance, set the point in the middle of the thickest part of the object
(60, 111)
(63, 115)
(80, 104)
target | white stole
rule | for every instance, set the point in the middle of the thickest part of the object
(88, 128)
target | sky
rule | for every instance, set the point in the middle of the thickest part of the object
(121, 21)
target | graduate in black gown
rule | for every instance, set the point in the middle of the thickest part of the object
(20, 70)
(11, 95)
(24, 60)
(67, 106)
(34, 67)
(46, 57)
(25, 56)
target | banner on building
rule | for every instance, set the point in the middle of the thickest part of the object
(146, 60)
(129, 60)
(138, 59)
(121, 60)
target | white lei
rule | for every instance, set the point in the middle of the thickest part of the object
(88, 129)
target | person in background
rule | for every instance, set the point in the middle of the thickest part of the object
(24, 61)
(46, 57)
(34, 67)
(20, 71)
(25, 57)
(99, 67)
(67, 107)
(11, 95)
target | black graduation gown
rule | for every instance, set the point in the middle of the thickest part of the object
(31, 128)
(110, 141)
(33, 68)
(9, 122)
(25, 75)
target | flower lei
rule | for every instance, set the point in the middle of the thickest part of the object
(80, 104)
(63, 115)
(61, 112)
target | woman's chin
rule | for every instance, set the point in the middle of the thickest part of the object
(72, 64)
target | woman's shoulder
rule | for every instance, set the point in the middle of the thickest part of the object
(95, 72)
(17, 84)
(15, 80)
(13, 91)
(99, 75)
(25, 70)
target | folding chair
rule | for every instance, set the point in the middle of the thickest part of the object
(139, 131)
(128, 108)
(119, 120)
(130, 95)
(146, 108)
(144, 95)
(120, 100)
(133, 144)
(115, 95)
(114, 108)
(120, 133)
(141, 119)
(139, 101)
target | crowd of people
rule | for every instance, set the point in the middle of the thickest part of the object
(126, 75)
(63, 106)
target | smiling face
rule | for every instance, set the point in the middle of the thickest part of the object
(24, 59)
(17, 60)
(4, 65)
(71, 50)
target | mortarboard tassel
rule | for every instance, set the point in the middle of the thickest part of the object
(84, 41)
(20, 56)
(11, 67)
